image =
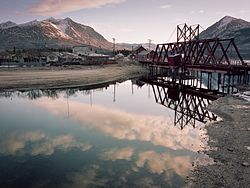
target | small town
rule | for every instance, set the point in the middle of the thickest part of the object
(77, 55)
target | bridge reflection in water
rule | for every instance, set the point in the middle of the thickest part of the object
(189, 106)
(189, 93)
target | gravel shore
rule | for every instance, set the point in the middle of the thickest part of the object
(229, 140)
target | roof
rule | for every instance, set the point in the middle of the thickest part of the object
(54, 54)
(138, 47)
(97, 55)
(175, 55)
(83, 45)
(145, 52)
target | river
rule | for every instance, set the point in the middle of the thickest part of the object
(117, 136)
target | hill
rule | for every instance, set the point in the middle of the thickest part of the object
(52, 33)
(230, 27)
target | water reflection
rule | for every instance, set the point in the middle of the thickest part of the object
(50, 93)
(83, 138)
(118, 154)
(162, 163)
(38, 143)
(124, 125)
(188, 103)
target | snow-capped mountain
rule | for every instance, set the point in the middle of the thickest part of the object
(49, 33)
(134, 45)
(229, 27)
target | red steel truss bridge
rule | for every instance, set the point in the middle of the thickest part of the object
(191, 52)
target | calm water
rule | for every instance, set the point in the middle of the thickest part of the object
(112, 137)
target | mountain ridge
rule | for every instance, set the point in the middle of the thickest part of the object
(224, 27)
(50, 32)
(230, 27)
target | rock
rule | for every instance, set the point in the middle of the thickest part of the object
(246, 164)
(248, 147)
(248, 129)
(247, 93)
(230, 149)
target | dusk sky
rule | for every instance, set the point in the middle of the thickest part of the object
(132, 21)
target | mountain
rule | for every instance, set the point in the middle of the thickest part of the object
(51, 32)
(7, 25)
(230, 27)
(225, 27)
(134, 45)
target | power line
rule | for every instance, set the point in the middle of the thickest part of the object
(173, 32)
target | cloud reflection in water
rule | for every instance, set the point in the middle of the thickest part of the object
(118, 154)
(41, 144)
(161, 162)
(127, 126)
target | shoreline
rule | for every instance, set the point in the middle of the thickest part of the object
(229, 140)
(69, 77)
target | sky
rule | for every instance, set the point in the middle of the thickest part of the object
(130, 21)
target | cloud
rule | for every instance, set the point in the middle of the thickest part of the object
(86, 177)
(56, 7)
(223, 13)
(197, 12)
(167, 6)
(201, 11)
(41, 144)
(123, 125)
(164, 164)
(159, 163)
(118, 154)
(110, 29)
(243, 12)
(16, 142)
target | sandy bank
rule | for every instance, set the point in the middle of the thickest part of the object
(230, 140)
(58, 77)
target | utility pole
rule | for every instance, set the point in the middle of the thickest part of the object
(114, 93)
(91, 97)
(68, 102)
(149, 44)
(114, 46)
(89, 41)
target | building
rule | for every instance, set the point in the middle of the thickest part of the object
(5, 57)
(138, 50)
(145, 56)
(70, 59)
(97, 59)
(82, 50)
